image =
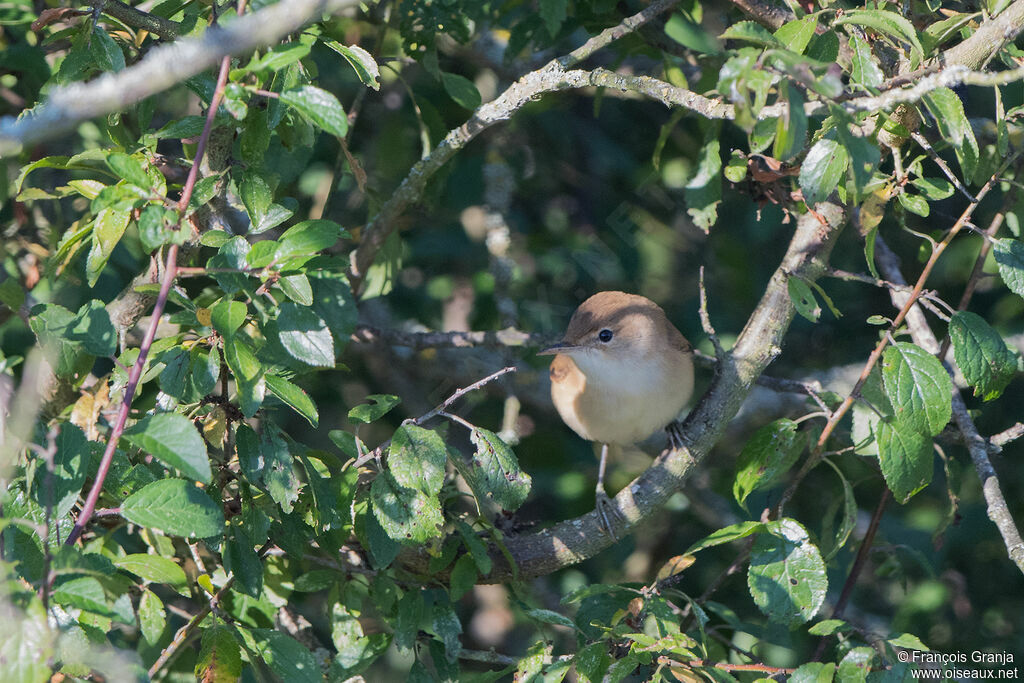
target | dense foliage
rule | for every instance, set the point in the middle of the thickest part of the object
(241, 293)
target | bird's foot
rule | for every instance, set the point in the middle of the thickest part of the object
(607, 511)
(675, 435)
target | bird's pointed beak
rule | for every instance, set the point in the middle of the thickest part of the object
(560, 347)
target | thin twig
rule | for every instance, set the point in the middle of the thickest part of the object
(856, 568)
(725, 666)
(460, 393)
(705, 320)
(1012, 434)
(165, 28)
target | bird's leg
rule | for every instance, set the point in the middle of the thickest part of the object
(674, 429)
(605, 507)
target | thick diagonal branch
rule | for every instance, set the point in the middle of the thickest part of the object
(575, 540)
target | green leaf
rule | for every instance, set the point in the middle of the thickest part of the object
(70, 466)
(361, 61)
(948, 111)
(462, 90)
(176, 507)
(220, 657)
(109, 226)
(814, 672)
(248, 372)
(690, 34)
(934, 189)
(305, 336)
(856, 664)
(791, 130)
(796, 34)
(553, 12)
(463, 577)
(84, 593)
(406, 515)
(154, 569)
(320, 106)
(227, 316)
(495, 473)
(278, 472)
(105, 51)
(173, 440)
(286, 657)
(308, 237)
(828, 627)
(295, 397)
(802, 296)
(768, 455)
(445, 625)
(864, 68)
(477, 548)
(279, 56)
(129, 168)
(185, 127)
(905, 456)
(913, 203)
(727, 534)
(918, 387)
(750, 32)
(377, 407)
(787, 574)
(297, 288)
(703, 191)
(242, 561)
(151, 616)
(981, 354)
(416, 459)
(822, 170)
(1009, 256)
(889, 23)
(51, 322)
(356, 650)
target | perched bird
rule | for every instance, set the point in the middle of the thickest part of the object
(621, 372)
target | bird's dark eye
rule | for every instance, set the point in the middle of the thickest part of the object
(605, 335)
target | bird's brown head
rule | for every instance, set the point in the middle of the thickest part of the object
(618, 323)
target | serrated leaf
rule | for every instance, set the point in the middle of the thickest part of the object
(726, 534)
(297, 288)
(308, 237)
(151, 616)
(768, 455)
(495, 471)
(953, 125)
(822, 170)
(108, 228)
(814, 672)
(913, 203)
(791, 130)
(863, 67)
(981, 354)
(220, 657)
(1009, 256)
(797, 33)
(856, 664)
(787, 576)
(935, 189)
(361, 61)
(154, 569)
(176, 507)
(750, 32)
(173, 440)
(802, 296)
(128, 168)
(320, 106)
(278, 472)
(889, 23)
(406, 515)
(378, 406)
(462, 90)
(295, 397)
(305, 336)
(227, 316)
(286, 657)
(70, 467)
(918, 387)
(279, 56)
(416, 459)
(905, 456)
(703, 192)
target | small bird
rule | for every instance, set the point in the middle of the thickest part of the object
(621, 372)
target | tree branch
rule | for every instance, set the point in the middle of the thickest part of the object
(162, 68)
(575, 540)
(165, 28)
(548, 78)
(989, 39)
